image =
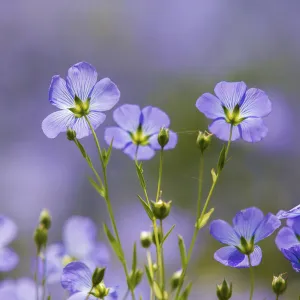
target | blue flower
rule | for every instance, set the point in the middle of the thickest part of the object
(79, 243)
(292, 213)
(293, 255)
(236, 106)
(77, 279)
(8, 231)
(138, 131)
(289, 235)
(249, 227)
(21, 289)
(77, 97)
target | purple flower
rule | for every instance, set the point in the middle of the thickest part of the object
(77, 279)
(292, 213)
(77, 97)
(293, 255)
(236, 106)
(138, 131)
(249, 227)
(79, 243)
(21, 289)
(290, 235)
(8, 231)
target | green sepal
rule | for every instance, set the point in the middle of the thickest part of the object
(213, 175)
(185, 294)
(99, 189)
(113, 242)
(146, 208)
(135, 278)
(167, 234)
(139, 170)
(134, 258)
(182, 250)
(157, 290)
(222, 159)
(149, 276)
(202, 221)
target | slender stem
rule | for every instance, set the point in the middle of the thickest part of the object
(44, 280)
(126, 295)
(159, 174)
(150, 265)
(162, 260)
(36, 276)
(251, 278)
(277, 297)
(200, 183)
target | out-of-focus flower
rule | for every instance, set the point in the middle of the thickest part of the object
(138, 133)
(8, 231)
(249, 227)
(77, 97)
(236, 106)
(77, 279)
(293, 255)
(292, 213)
(79, 243)
(21, 289)
(289, 235)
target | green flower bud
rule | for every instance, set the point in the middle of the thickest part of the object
(224, 291)
(161, 209)
(175, 279)
(146, 239)
(45, 219)
(154, 267)
(71, 134)
(203, 140)
(98, 276)
(279, 284)
(100, 291)
(163, 137)
(159, 235)
(40, 238)
(135, 277)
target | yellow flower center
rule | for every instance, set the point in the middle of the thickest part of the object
(233, 117)
(67, 259)
(139, 138)
(82, 108)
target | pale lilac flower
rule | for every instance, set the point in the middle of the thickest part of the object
(289, 235)
(292, 213)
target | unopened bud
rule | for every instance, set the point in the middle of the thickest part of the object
(98, 276)
(101, 291)
(45, 219)
(161, 209)
(146, 239)
(203, 140)
(40, 238)
(279, 284)
(135, 277)
(154, 267)
(163, 137)
(175, 279)
(71, 134)
(224, 290)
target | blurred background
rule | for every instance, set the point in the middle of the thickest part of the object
(165, 54)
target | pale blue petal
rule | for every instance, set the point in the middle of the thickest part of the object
(81, 79)
(255, 258)
(143, 152)
(8, 231)
(221, 129)
(81, 296)
(294, 223)
(224, 233)
(292, 213)
(76, 277)
(113, 294)
(253, 130)
(153, 119)
(127, 117)
(100, 255)
(293, 255)
(230, 93)
(255, 104)
(267, 226)
(104, 96)
(119, 136)
(286, 238)
(8, 259)
(59, 95)
(229, 256)
(79, 236)
(57, 122)
(210, 106)
(7, 290)
(171, 144)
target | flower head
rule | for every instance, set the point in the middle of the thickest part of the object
(292, 213)
(249, 227)
(78, 97)
(138, 133)
(8, 231)
(236, 106)
(293, 255)
(77, 279)
(289, 235)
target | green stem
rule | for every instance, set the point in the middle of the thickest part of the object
(277, 297)
(44, 280)
(200, 183)
(162, 274)
(159, 174)
(150, 265)
(126, 295)
(36, 276)
(251, 278)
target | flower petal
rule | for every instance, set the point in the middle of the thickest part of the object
(267, 226)
(79, 236)
(8, 259)
(82, 296)
(59, 95)
(229, 256)
(224, 233)
(246, 221)
(104, 96)
(127, 117)
(8, 231)
(255, 258)
(119, 136)
(57, 122)
(100, 255)
(255, 104)
(171, 144)
(142, 153)
(286, 238)
(210, 106)
(221, 129)
(81, 79)
(26, 289)
(153, 119)
(230, 93)
(76, 277)
(7, 290)
(293, 255)
(294, 223)
(253, 130)
(292, 213)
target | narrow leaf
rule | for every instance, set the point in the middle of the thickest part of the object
(186, 292)
(157, 291)
(222, 159)
(134, 258)
(108, 153)
(182, 250)
(203, 221)
(149, 276)
(146, 208)
(81, 148)
(99, 189)
(167, 234)
(113, 242)
(139, 170)
(213, 175)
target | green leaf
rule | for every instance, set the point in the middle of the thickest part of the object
(203, 221)
(139, 170)
(99, 189)
(157, 291)
(146, 208)
(167, 234)
(182, 251)
(149, 276)
(222, 159)
(113, 242)
(134, 258)
(106, 154)
(213, 175)
(186, 292)
(81, 148)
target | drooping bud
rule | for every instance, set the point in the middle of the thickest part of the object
(203, 140)
(175, 279)
(71, 134)
(163, 137)
(224, 290)
(279, 284)
(40, 238)
(45, 219)
(146, 239)
(98, 276)
(161, 209)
